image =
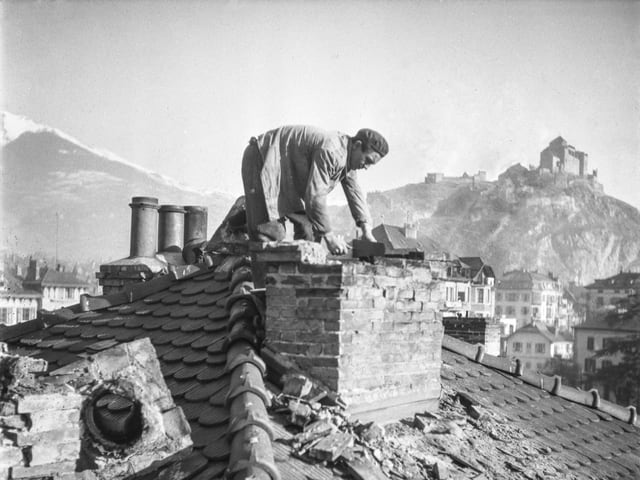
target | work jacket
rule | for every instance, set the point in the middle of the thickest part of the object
(302, 165)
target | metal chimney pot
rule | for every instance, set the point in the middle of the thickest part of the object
(195, 224)
(171, 228)
(144, 222)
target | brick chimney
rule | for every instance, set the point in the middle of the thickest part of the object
(171, 228)
(370, 332)
(482, 331)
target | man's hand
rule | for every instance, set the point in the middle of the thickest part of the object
(366, 233)
(336, 244)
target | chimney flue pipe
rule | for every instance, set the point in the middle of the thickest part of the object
(195, 224)
(144, 223)
(170, 228)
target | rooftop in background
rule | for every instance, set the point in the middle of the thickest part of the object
(547, 331)
(622, 280)
(525, 280)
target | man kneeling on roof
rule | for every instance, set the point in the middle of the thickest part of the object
(288, 172)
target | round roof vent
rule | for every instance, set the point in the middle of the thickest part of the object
(115, 419)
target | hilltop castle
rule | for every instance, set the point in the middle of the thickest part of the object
(559, 156)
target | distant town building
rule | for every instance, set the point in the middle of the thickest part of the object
(603, 294)
(530, 297)
(536, 343)
(17, 304)
(58, 288)
(594, 334)
(469, 288)
(559, 156)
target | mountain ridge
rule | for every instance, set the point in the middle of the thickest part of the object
(55, 186)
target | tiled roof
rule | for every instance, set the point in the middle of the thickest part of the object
(12, 286)
(622, 280)
(613, 321)
(573, 431)
(520, 279)
(62, 279)
(204, 331)
(394, 238)
(546, 331)
(205, 328)
(477, 264)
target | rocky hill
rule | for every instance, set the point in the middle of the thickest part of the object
(49, 178)
(564, 225)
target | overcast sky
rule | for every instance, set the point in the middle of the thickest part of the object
(180, 86)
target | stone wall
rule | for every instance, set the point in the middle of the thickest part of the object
(371, 332)
(484, 331)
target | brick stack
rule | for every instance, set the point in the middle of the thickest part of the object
(483, 331)
(39, 423)
(371, 332)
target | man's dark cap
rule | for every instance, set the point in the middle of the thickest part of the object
(373, 140)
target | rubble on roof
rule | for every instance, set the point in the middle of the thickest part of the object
(108, 415)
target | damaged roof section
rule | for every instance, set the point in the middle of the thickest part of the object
(207, 358)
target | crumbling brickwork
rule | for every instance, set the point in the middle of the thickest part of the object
(104, 417)
(371, 332)
(483, 331)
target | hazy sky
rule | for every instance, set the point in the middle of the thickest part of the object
(180, 86)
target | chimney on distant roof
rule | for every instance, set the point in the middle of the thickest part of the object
(144, 221)
(33, 272)
(410, 229)
(170, 228)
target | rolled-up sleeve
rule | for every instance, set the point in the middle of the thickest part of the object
(322, 179)
(356, 198)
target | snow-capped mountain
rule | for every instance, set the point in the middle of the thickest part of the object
(53, 182)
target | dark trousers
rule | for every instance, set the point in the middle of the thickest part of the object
(259, 227)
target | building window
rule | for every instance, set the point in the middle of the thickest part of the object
(512, 297)
(510, 310)
(590, 342)
(599, 301)
(498, 311)
(25, 314)
(524, 310)
(4, 315)
(606, 342)
(461, 296)
(498, 297)
(590, 365)
(528, 347)
(540, 347)
(480, 295)
(517, 346)
(535, 312)
(525, 297)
